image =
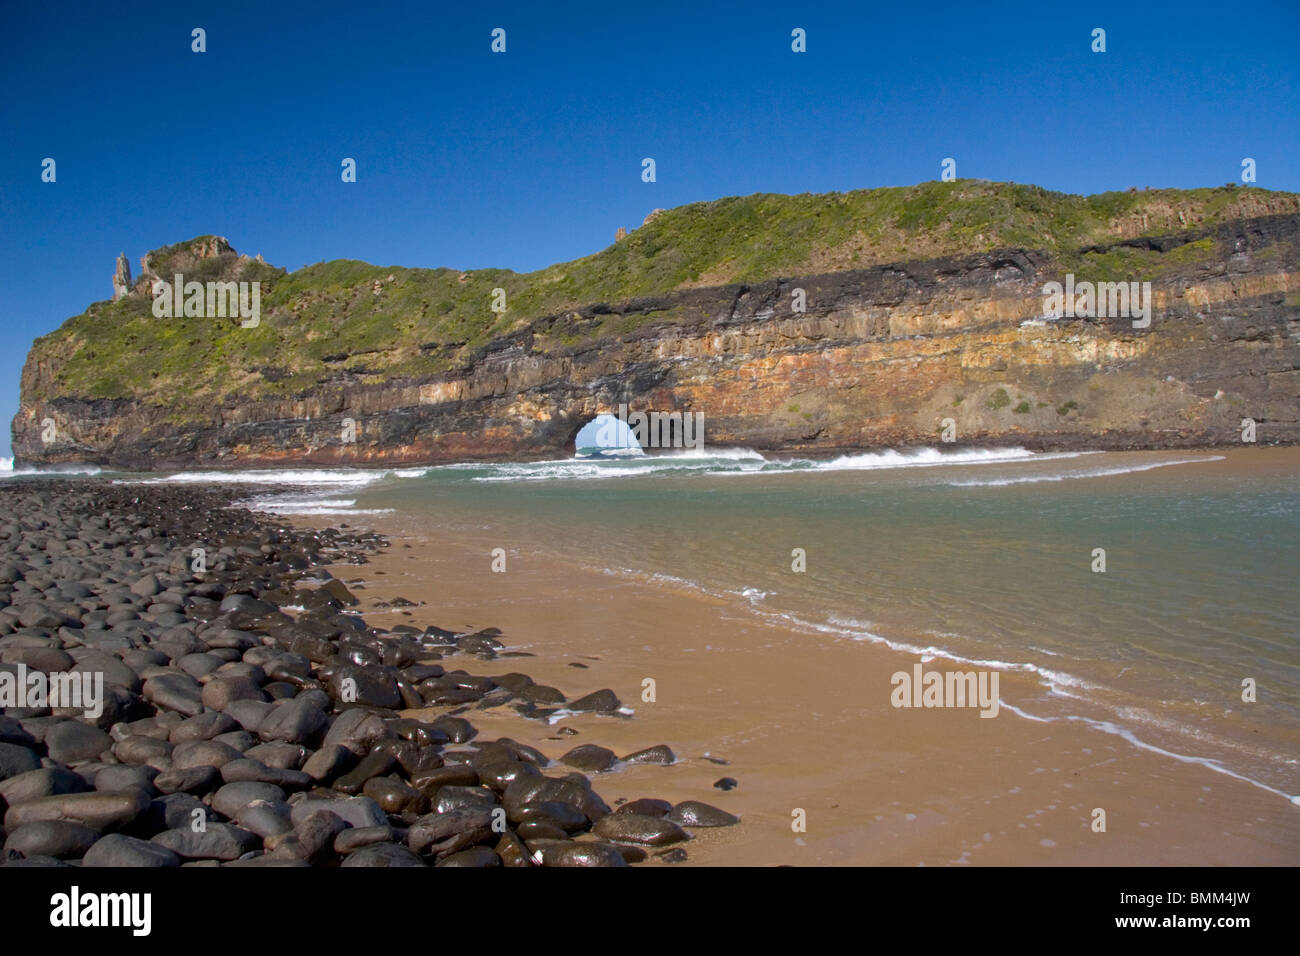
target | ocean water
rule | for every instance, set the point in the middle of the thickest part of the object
(982, 557)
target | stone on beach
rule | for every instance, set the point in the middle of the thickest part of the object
(290, 738)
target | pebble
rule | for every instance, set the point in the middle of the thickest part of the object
(217, 841)
(116, 849)
(58, 838)
(660, 754)
(218, 706)
(383, 854)
(99, 811)
(590, 758)
(72, 742)
(692, 813)
(639, 828)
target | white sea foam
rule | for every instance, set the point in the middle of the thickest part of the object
(724, 454)
(1109, 727)
(1058, 683)
(307, 510)
(1091, 473)
(728, 462)
(1055, 681)
(312, 505)
(290, 503)
(7, 470)
(283, 476)
(923, 457)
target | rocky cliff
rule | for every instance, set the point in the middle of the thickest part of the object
(922, 308)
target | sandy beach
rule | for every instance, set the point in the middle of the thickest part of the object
(807, 725)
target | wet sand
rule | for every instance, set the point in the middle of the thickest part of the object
(805, 723)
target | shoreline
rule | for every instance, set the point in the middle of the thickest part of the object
(810, 694)
(225, 731)
(802, 722)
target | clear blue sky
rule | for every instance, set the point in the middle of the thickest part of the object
(469, 159)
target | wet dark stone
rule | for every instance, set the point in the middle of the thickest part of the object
(475, 856)
(455, 775)
(638, 828)
(582, 854)
(660, 754)
(514, 682)
(373, 686)
(542, 828)
(602, 701)
(383, 854)
(300, 721)
(459, 798)
(395, 796)
(339, 592)
(435, 829)
(358, 730)
(458, 729)
(589, 758)
(501, 774)
(542, 694)
(693, 813)
(438, 696)
(354, 838)
(512, 852)
(648, 807)
(632, 854)
(557, 812)
(375, 764)
(418, 732)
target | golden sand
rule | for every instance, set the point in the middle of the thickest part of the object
(805, 724)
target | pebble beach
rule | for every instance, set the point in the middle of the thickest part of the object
(248, 715)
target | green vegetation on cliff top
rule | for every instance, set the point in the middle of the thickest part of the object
(351, 321)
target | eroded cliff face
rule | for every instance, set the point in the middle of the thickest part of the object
(882, 356)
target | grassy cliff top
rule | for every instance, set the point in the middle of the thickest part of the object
(348, 318)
